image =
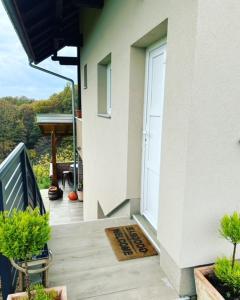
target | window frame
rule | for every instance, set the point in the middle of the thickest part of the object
(109, 89)
(104, 87)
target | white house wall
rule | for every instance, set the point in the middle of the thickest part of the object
(213, 157)
(112, 161)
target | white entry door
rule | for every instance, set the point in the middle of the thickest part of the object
(152, 132)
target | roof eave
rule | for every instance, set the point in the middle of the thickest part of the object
(18, 27)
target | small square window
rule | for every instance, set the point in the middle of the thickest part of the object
(109, 88)
(105, 87)
(85, 77)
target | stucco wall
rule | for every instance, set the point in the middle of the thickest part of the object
(213, 156)
(112, 147)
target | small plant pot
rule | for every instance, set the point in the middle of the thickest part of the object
(205, 290)
(61, 290)
(78, 113)
(80, 196)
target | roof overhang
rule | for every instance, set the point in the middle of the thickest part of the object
(46, 26)
(61, 124)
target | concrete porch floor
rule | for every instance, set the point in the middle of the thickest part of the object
(85, 263)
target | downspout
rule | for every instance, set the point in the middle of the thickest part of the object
(73, 115)
(79, 82)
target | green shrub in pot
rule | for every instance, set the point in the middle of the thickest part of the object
(228, 270)
(41, 294)
(23, 235)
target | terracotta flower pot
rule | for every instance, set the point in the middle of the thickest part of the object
(80, 196)
(62, 292)
(205, 290)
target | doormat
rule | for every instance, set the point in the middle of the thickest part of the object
(129, 242)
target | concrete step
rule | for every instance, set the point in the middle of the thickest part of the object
(147, 228)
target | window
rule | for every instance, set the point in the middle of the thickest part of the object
(109, 89)
(105, 87)
(85, 77)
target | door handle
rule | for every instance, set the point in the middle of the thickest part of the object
(146, 135)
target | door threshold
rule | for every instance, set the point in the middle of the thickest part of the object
(147, 228)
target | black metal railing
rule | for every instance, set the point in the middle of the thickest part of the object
(18, 189)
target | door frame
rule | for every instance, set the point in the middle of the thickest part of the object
(158, 44)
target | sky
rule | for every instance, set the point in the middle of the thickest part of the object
(16, 77)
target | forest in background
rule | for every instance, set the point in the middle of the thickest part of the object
(18, 124)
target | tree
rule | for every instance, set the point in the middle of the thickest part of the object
(230, 230)
(18, 120)
(32, 131)
(228, 270)
(12, 128)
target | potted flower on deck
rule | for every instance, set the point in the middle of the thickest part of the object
(222, 280)
(23, 236)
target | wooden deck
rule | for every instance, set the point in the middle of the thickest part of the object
(86, 264)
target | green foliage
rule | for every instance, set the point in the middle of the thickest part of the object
(23, 234)
(18, 122)
(42, 164)
(57, 103)
(32, 131)
(230, 228)
(228, 270)
(43, 182)
(32, 153)
(228, 275)
(18, 119)
(65, 151)
(17, 100)
(41, 171)
(12, 128)
(41, 294)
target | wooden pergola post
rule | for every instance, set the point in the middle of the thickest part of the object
(55, 125)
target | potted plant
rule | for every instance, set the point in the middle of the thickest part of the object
(222, 280)
(23, 236)
(78, 113)
(80, 189)
(39, 293)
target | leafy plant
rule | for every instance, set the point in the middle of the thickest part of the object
(42, 164)
(228, 270)
(65, 151)
(40, 294)
(23, 235)
(228, 275)
(230, 230)
(42, 174)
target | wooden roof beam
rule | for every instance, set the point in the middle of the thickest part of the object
(88, 3)
(65, 60)
(48, 31)
(35, 11)
(59, 10)
(44, 22)
(40, 43)
(70, 41)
